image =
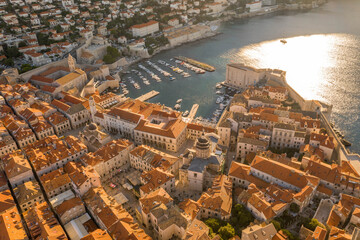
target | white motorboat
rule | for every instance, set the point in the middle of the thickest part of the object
(219, 100)
(136, 85)
(179, 100)
(177, 106)
(186, 75)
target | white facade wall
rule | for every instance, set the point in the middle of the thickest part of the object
(258, 215)
(207, 213)
(21, 178)
(109, 168)
(255, 6)
(268, 178)
(113, 124)
(282, 138)
(146, 30)
(224, 134)
(327, 152)
(244, 148)
(9, 148)
(237, 182)
(196, 180)
(241, 77)
(169, 144)
(26, 141)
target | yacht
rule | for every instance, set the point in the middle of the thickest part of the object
(177, 106)
(219, 100)
(179, 100)
(186, 113)
(186, 75)
(136, 85)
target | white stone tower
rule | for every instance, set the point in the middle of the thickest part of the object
(92, 108)
(202, 147)
(71, 63)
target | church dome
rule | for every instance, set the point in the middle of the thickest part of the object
(202, 143)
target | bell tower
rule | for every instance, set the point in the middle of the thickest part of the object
(92, 108)
(71, 63)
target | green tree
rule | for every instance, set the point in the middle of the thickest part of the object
(22, 44)
(112, 55)
(43, 39)
(58, 28)
(276, 224)
(114, 52)
(241, 216)
(11, 52)
(150, 51)
(8, 62)
(285, 219)
(294, 208)
(108, 59)
(289, 234)
(312, 224)
(26, 67)
(214, 224)
(227, 232)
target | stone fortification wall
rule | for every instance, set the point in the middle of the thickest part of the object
(108, 84)
(119, 63)
(26, 76)
(277, 78)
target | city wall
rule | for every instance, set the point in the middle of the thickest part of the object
(278, 78)
(93, 46)
(119, 63)
(108, 84)
(341, 152)
(27, 75)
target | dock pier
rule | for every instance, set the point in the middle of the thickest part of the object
(193, 111)
(195, 63)
(148, 95)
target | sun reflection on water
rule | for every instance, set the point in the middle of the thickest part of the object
(308, 60)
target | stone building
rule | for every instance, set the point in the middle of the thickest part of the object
(201, 164)
(94, 137)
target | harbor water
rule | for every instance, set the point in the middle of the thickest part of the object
(321, 57)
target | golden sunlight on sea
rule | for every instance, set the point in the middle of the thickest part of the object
(308, 60)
